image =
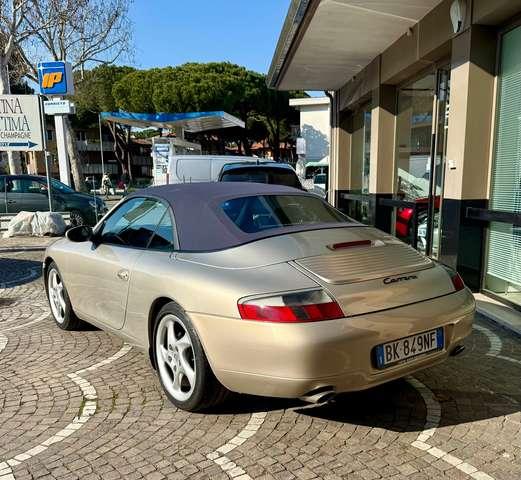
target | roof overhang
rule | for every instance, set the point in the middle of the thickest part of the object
(191, 122)
(324, 43)
(302, 103)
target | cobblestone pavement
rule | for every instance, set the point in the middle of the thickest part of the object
(81, 405)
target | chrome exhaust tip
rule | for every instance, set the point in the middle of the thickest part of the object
(457, 350)
(319, 396)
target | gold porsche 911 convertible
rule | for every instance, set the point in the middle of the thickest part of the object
(259, 289)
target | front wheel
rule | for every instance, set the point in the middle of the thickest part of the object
(182, 366)
(59, 301)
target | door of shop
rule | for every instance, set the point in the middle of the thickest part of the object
(421, 134)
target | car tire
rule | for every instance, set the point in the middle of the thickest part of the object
(76, 218)
(59, 300)
(182, 366)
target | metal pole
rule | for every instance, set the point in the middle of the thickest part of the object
(45, 152)
(49, 191)
(101, 146)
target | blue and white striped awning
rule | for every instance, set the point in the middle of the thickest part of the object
(191, 122)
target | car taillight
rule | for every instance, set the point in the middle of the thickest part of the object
(457, 281)
(309, 306)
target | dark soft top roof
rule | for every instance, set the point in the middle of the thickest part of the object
(201, 223)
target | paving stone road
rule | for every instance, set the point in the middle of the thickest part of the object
(81, 405)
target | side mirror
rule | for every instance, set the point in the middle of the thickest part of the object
(81, 233)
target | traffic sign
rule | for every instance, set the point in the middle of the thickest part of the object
(59, 107)
(20, 123)
(55, 78)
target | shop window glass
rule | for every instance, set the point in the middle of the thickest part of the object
(413, 137)
(360, 161)
(503, 274)
(361, 150)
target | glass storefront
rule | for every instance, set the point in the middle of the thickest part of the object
(421, 131)
(503, 266)
(360, 159)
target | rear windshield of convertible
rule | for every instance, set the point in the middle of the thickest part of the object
(258, 213)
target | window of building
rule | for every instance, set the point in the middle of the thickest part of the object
(503, 272)
(81, 135)
(414, 136)
(361, 150)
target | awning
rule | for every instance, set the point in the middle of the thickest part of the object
(191, 122)
(324, 43)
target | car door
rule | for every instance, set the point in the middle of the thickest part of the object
(14, 194)
(35, 195)
(99, 278)
(151, 277)
(3, 204)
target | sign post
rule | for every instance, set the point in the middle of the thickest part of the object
(56, 80)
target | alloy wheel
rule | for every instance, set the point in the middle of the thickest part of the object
(55, 291)
(76, 219)
(175, 357)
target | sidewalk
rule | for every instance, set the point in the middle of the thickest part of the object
(499, 313)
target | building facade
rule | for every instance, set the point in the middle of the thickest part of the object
(426, 122)
(314, 126)
(89, 151)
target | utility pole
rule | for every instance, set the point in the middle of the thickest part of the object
(61, 146)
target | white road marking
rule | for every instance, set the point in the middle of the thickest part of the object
(219, 456)
(432, 422)
(496, 345)
(89, 405)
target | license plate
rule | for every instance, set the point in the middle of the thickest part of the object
(398, 351)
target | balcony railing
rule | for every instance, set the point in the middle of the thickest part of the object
(92, 145)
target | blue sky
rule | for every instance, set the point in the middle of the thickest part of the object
(172, 32)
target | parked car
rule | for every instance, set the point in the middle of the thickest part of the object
(199, 168)
(29, 193)
(320, 185)
(273, 173)
(258, 289)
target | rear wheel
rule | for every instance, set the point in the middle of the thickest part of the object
(182, 366)
(59, 301)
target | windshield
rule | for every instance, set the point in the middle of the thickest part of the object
(60, 187)
(255, 214)
(274, 176)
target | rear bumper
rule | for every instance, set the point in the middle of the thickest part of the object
(289, 361)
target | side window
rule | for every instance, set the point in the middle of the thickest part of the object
(33, 186)
(2, 184)
(15, 185)
(163, 239)
(134, 223)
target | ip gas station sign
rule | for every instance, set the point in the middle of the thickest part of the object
(55, 78)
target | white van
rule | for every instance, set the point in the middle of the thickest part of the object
(202, 168)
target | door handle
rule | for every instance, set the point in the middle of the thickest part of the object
(123, 275)
(11, 201)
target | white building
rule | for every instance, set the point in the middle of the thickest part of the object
(314, 126)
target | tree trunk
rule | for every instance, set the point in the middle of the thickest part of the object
(74, 157)
(276, 149)
(13, 158)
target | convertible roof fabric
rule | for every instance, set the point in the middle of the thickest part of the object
(200, 221)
